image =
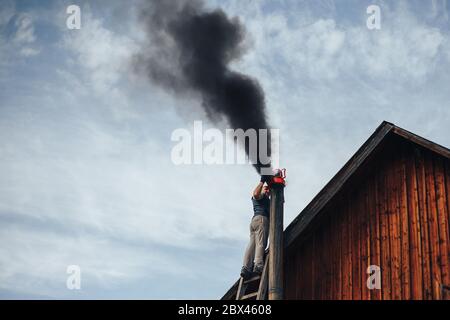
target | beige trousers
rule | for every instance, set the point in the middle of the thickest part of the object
(259, 232)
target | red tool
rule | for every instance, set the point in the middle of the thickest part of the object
(279, 177)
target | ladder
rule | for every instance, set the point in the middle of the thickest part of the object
(254, 288)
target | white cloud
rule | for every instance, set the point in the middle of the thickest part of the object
(28, 52)
(325, 50)
(101, 53)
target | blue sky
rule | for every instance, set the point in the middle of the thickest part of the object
(86, 174)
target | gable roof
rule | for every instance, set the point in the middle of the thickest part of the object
(307, 215)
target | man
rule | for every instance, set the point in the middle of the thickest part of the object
(259, 230)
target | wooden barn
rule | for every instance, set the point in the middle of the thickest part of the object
(387, 207)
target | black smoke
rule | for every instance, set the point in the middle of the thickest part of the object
(190, 50)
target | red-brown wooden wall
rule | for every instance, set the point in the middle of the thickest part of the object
(393, 213)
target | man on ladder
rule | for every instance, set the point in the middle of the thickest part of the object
(259, 230)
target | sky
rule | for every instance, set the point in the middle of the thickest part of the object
(86, 175)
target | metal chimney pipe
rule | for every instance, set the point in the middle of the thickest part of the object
(276, 245)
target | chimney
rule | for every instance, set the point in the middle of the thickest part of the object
(276, 236)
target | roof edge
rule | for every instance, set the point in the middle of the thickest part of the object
(433, 146)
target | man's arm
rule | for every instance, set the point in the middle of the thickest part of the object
(257, 191)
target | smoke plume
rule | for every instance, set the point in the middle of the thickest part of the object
(189, 51)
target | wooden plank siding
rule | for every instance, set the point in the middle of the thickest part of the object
(394, 213)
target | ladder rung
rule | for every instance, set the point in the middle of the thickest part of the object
(250, 295)
(252, 279)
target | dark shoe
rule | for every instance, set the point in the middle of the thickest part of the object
(257, 271)
(245, 273)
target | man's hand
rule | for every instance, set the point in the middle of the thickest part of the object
(266, 178)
